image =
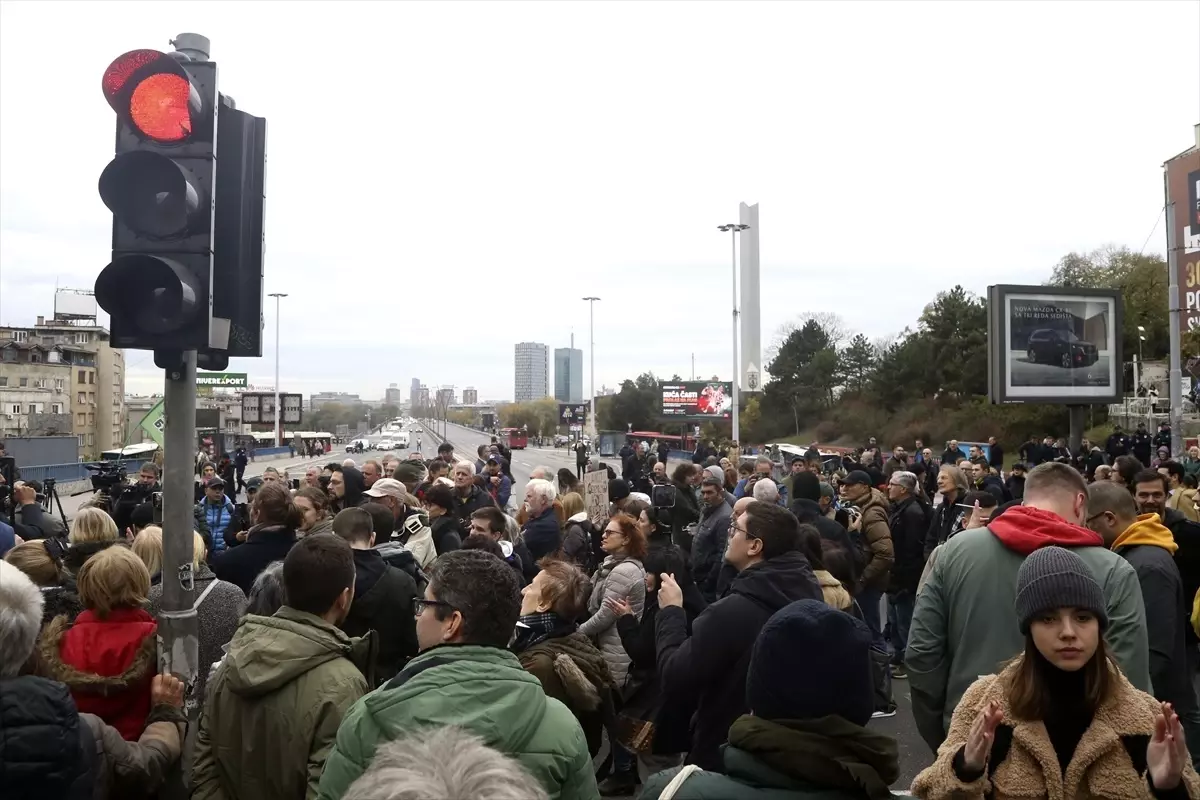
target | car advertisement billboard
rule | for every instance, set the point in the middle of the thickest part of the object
(1052, 345)
(698, 399)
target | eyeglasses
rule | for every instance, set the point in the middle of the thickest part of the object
(420, 604)
(610, 532)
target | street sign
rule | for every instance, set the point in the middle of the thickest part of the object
(225, 379)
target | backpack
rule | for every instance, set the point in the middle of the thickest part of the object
(400, 557)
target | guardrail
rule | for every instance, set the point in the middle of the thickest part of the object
(61, 473)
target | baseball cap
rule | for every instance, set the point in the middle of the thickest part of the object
(387, 487)
(859, 477)
(213, 483)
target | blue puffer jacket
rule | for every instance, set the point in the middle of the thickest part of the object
(219, 516)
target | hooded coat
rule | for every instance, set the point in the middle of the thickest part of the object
(274, 707)
(577, 542)
(1149, 548)
(618, 578)
(355, 485)
(877, 535)
(964, 623)
(576, 674)
(50, 750)
(708, 546)
(833, 591)
(383, 602)
(486, 691)
(705, 672)
(107, 664)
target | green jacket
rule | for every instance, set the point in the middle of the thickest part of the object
(964, 625)
(482, 689)
(274, 707)
(817, 759)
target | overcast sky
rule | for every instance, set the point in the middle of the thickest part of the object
(448, 179)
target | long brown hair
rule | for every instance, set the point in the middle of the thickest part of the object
(1029, 695)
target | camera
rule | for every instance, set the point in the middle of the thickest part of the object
(663, 496)
(106, 475)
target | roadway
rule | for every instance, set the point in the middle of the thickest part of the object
(467, 440)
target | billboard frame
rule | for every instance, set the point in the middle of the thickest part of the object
(662, 388)
(997, 345)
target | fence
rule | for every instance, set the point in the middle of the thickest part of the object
(61, 473)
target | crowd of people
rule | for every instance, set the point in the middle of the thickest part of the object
(407, 628)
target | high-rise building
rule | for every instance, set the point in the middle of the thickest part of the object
(61, 376)
(414, 393)
(391, 396)
(568, 374)
(532, 372)
(470, 396)
(445, 397)
(318, 399)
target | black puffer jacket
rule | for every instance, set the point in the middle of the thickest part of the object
(383, 601)
(355, 486)
(705, 672)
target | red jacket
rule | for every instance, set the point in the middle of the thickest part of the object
(107, 664)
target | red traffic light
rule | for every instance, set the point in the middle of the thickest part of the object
(154, 94)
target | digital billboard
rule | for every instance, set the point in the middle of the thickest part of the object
(698, 400)
(1053, 345)
(1182, 177)
(572, 413)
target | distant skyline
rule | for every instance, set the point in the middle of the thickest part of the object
(894, 148)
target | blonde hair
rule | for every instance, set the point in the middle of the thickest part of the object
(113, 578)
(199, 550)
(148, 547)
(34, 560)
(92, 525)
(572, 504)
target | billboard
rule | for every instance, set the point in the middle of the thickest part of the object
(223, 379)
(698, 399)
(70, 304)
(259, 408)
(1054, 345)
(572, 413)
(1183, 190)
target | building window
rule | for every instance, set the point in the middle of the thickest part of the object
(15, 408)
(35, 357)
(91, 439)
(82, 398)
(82, 337)
(3, 380)
(58, 384)
(8, 354)
(39, 383)
(21, 336)
(82, 440)
(91, 418)
(92, 378)
(37, 408)
(81, 419)
(24, 382)
(56, 408)
(82, 376)
(92, 398)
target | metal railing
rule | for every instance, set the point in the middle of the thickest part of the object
(62, 473)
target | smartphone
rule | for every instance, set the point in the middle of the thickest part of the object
(295, 483)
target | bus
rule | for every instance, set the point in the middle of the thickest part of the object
(513, 438)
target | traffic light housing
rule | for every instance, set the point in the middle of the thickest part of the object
(161, 189)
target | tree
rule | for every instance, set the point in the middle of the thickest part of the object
(955, 324)
(638, 403)
(857, 361)
(803, 372)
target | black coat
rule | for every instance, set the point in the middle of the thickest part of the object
(242, 564)
(908, 522)
(1117, 445)
(383, 602)
(706, 672)
(996, 456)
(1187, 536)
(542, 535)
(1141, 447)
(809, 513)
(464, 507)
(1015, 484)
(947, 520)
(448, 534)
(44, 745)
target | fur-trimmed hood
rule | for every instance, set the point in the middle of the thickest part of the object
(575, 663)
(142, 665)
(1109, 761)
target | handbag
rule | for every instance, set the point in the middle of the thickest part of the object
(677, 782)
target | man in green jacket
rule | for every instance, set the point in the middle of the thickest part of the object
(964, 625)
(466, 676)
(278, 697)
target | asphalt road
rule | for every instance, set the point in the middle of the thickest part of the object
(467, 440)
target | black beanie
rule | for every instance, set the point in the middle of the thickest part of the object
(617, 490)
(810, 661)
(806, 486)
(1052, 578)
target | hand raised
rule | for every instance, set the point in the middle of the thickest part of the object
(979, 741)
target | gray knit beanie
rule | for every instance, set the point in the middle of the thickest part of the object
(1054, 577)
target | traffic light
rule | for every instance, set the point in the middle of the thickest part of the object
(160, 188)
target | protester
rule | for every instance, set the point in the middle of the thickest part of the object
(275, 519)
(551, 647)
(1061, 719)
(705, 672)
(468, 497)
(107, 657)
(275, 703)
(92, 530)
(871, 521)
(314, 506)
(578, 534)
(833, 591)
(908, 522)
(710, 536)
(346, 487)
(541, 532)
(383, 596)
(219, 606)
(268, 594)
(806, 734)
(472, 603)
(446, 531)
(49, 749)
(963, 624)
(493, 523)
(621, 576)
(218, 512)
(41, 561)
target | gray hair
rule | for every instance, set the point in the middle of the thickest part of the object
(712, 480)
(512, 529)
(957, 475)
(545, 472)
(906, 480)
(443, 764)
(767, 492)
(543, 489)
(149, 466)
(20, 619)
(267, 594)
(763, 460)
(349, 462)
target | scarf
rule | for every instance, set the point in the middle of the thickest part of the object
(534, 628)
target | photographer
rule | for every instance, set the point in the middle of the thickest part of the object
(28, 512)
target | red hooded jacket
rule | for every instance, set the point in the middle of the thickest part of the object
(1023, 529)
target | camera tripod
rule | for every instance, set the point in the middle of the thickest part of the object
(50, 498)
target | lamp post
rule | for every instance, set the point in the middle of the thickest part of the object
(278, 411)
(733, 229)
(591, 301)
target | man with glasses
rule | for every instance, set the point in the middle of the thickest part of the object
(471, 605)
(908, 521)
(964, 623)
(705, 672)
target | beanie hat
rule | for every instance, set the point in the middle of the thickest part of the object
(811, 660)
(408, 472)
(806, 486)
(1054, 577)
(617, 490)
(716, 472)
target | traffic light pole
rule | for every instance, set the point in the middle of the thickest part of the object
(178, 628)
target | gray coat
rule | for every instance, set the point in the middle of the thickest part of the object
(620, 578)
(708, 546)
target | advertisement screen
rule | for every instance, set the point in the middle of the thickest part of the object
(699, 399)
(1057, 346)
(572, 413)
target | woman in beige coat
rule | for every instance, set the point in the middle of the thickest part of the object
(1061, 721)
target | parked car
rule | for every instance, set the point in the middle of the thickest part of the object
(1060, 348)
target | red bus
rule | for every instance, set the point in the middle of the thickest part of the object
(514, 438)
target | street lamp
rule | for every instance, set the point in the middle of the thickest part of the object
(733, 229)
(591, 301)
(278, 411)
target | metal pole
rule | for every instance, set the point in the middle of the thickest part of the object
(1173, 317)
(736, 360)
(178, 626)
(278, 411)
(592, 426)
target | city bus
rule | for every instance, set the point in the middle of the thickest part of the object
(513, 438)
